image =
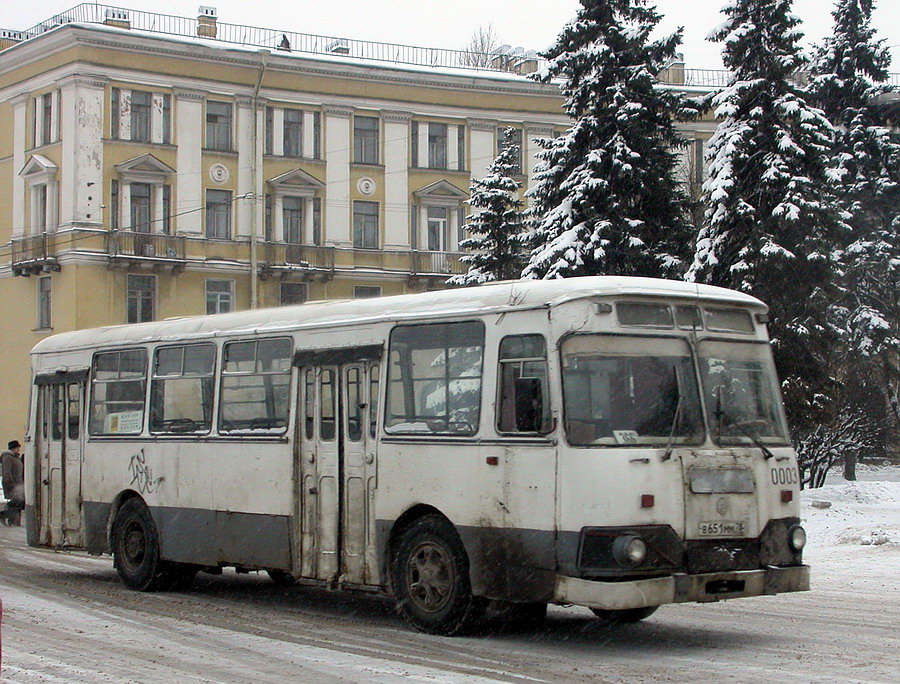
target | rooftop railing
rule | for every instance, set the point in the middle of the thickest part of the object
(208, 27)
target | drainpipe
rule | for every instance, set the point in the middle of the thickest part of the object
(257, 198)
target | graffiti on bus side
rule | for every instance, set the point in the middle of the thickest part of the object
(142, 474)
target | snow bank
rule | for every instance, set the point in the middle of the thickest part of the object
(861, 513)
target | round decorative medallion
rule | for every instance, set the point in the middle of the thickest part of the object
(219, 173)
(366, 185)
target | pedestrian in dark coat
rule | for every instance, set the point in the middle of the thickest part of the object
(13, 484)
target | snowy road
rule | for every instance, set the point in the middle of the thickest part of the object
(67, 618)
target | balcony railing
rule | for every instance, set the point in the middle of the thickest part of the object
(326, 260)
(33, 254)
(145, 246)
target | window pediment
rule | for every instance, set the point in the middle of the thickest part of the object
(441, 192)
(39, 169)
(144, 169)
(296, 182)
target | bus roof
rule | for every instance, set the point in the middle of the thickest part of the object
(490, 298)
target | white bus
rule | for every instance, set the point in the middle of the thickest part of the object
(615, 443)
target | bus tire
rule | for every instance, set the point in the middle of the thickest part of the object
(430, 578)
(281, 578)
(136, 554)
(625, 616)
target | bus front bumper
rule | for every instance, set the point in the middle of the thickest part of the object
(680, 588)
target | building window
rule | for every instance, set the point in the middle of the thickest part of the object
(270, 134)
(437, 228)
(167, 119)
(218, 214)
(141, 298)
(365, 140)
(42, 208)
(167, 208)
(293, 133)
(317, 221)
(366, 291)
(365, 225)
(114, 205)
(317, 136)
(267, 221)
(437, 146)
(515, 138)
(461, 148)
(43, 321)
(140, 207)
(47, 119)
(219, 296)
(218, 125)
(293, 293)
(115, 97)
(292, 217)
(140, 115)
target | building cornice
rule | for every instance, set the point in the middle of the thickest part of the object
(482, 124)
(393, 116)
(339, 110)
(188, 94)
(83, 79)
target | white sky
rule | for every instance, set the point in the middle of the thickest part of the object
(532, 24)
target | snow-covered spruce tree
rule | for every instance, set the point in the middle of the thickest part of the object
(772, 227)
(849, 74)
(606, 199)
(494, 245)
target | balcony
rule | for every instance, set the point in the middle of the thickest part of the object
(315, 261)
(34, 254)
(128, 249)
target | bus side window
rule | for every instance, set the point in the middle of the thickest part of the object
(373, 399)
(434, 378)
(523, 402)
(118, 386)
(56, 412)
(73, 416)
(310, 411)
(327, 423)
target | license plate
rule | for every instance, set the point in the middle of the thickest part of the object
(722, 528)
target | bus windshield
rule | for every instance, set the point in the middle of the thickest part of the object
(630, 391)
(743, 402)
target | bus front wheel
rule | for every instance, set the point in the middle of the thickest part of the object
(430, 578)
(136, 554)
(625, 616)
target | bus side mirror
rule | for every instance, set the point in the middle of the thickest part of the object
(529, 404)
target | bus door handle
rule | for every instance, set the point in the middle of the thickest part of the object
(370, 458)
(313, 490)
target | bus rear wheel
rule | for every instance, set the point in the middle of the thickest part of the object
(430, 578)
(625, 616)
(136, 554)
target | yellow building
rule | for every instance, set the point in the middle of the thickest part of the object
(155, 166)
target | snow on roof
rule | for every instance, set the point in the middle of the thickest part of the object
(496, 297)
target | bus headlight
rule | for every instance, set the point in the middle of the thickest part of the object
(797, 537)
(629, 550)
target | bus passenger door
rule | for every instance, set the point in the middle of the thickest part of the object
(50, 457)
(358, 401)
(73, 532)
(319, 472)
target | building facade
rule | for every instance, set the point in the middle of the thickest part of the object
(146, 174)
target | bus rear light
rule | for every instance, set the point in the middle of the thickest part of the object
(647, 500)
(492, 460)
(787, 495)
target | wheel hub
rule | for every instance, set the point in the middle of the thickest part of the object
(430, 577)
(134, 545)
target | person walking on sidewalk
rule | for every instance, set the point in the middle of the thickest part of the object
(13, 484)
